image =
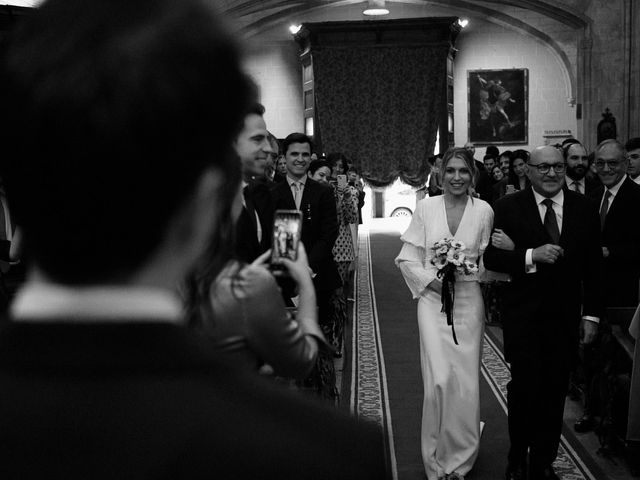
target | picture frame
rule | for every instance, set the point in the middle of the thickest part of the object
(498, 106)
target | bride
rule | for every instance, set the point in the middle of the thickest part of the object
(450, 372)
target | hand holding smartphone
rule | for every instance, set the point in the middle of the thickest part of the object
(287, 225)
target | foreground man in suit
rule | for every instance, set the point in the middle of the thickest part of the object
(554, 264)
(124, 114)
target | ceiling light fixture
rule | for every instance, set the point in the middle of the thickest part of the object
(463, 22)
(375, 7)
(294, 29)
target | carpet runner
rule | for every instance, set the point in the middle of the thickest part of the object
(385, 378)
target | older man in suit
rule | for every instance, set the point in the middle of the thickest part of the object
(100, 375)
(555, 262)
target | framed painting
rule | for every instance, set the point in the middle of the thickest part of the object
(498, 106)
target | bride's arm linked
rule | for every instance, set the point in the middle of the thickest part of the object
(412, 257)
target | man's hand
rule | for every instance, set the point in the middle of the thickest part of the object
(547, 253)
(588, 330)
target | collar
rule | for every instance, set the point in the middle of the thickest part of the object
(572, 181)
(614, 190)
(558, 198)
(42, 301)
(291, 180)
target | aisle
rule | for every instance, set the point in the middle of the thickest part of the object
(386, 384)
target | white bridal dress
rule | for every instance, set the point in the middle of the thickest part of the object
(450, 372)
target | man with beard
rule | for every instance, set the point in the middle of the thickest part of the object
(577, 160)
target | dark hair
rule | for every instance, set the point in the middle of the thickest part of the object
(256, 109)
(316, 164)
(333, 158)
(466, 156)
(567, 144)
(114, 125)
(493, 150)
(512, 177)
(506, 153)
(489, 156)
(632, 144)
(295, 138)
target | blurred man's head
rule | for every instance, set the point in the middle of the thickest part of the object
(123, 134)
(252, 144)
(611, 162)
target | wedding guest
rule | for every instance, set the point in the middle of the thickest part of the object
(121, 153)
(577, 159)
(633, 154)
(617, 200)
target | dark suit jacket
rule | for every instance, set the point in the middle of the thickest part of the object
(257, 197)
(484, 185)
(621, 235)
(542, 310)
(150, 400)
(319, 228)
(591, 186)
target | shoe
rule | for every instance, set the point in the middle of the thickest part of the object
(546, 473)
(585, 424)
(515, 473)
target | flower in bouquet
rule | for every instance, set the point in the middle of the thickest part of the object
(450, 259)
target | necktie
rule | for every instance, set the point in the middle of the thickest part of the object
(250, 210)
(604, 207)
(297, 193)
(575, 186)
(551, 222)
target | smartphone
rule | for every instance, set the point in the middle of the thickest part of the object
(342, 181)
(287, 225)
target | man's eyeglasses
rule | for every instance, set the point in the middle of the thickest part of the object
(612, 164)
(545, 167)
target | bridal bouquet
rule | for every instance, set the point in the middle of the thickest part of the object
(449, 259)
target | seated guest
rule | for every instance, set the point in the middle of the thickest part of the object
(281, 169)
(100, 376)
(499, 187)
(577, 160)
(434, 184)
(633, 154)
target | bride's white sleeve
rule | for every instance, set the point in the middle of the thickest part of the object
(411, 259)
(486, 229)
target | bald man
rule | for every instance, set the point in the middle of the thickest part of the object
(554, 258)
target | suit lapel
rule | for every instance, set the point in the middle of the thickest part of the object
(569, 219)
(286, 196)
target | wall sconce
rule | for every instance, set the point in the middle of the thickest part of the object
(376, 7)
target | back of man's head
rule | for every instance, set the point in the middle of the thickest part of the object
(115, 109)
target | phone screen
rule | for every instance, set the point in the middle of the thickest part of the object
(342, 181)
(287, 225)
